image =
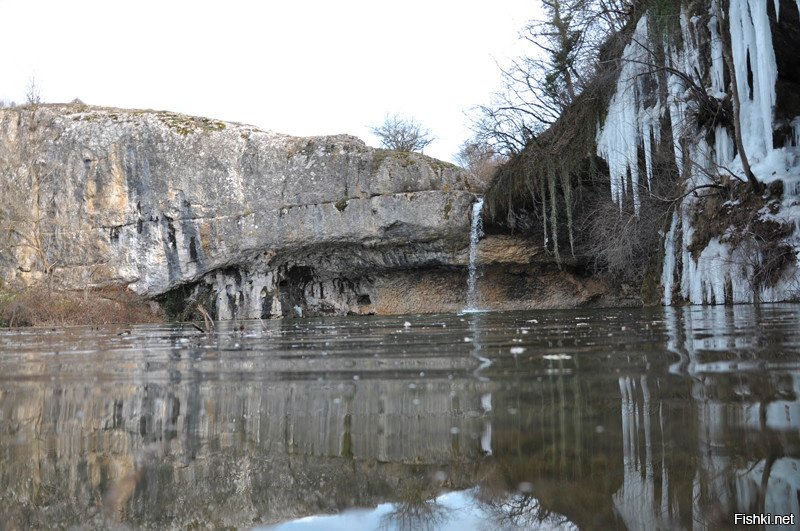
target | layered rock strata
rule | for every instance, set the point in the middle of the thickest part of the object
(249, 223)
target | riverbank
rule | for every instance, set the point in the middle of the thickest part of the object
(39, 306)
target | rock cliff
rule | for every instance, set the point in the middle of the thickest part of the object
(246, 222)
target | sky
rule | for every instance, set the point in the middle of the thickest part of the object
(296, 67)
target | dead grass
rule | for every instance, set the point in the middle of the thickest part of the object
(38, 306)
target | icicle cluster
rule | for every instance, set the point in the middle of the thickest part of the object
(751, 38)
(721, 273)
(630, 123)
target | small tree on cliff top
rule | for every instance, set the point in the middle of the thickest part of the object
(402, 134)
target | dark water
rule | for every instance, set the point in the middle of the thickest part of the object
(640, 419)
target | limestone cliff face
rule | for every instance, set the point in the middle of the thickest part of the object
(248, 223)
(157, 200)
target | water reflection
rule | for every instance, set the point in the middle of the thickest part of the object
(664, 418)
(454, 511)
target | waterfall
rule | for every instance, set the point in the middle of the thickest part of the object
(475, 233)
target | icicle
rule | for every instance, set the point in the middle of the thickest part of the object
(543, 194)
(647, 125)
(676, 88)
(751, 38)
(718, 89)
(688, 264)
(551, 179)
(691, 53)
(723, 146)
(619, 139)
(566, 188)
(668, 270)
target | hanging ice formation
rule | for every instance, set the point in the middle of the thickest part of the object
(630, 123)
(721, 272)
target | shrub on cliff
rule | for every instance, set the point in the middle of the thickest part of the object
(402, 134)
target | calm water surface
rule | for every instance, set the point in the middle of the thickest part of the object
(640, 419)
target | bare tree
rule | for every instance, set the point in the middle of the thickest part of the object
(26, 231)
(33, 93)
(481, 160)
(402, 134)
(37, 237)
(538, 87)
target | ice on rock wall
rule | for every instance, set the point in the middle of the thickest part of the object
(668, 271)
(719, 273)
(717, 58)
(723, 273)
(629, 123)
(723, 146)
(751, 38)
(796, 129)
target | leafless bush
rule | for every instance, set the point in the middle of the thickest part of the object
(402, 134)
(33, 93)
(620, 243)
(481, 160)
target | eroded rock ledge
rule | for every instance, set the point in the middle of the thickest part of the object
(248, 223)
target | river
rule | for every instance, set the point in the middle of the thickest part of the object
(591, 419)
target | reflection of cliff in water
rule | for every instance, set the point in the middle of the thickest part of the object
(229, 453)
(693, 416)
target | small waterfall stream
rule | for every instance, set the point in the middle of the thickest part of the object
(475, 233)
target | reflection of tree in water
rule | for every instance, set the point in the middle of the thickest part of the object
(416, 508)
(423, 516)
(520, 511)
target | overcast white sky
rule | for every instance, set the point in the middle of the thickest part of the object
(302, 68)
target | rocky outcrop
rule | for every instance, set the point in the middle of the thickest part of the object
(249, 223)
